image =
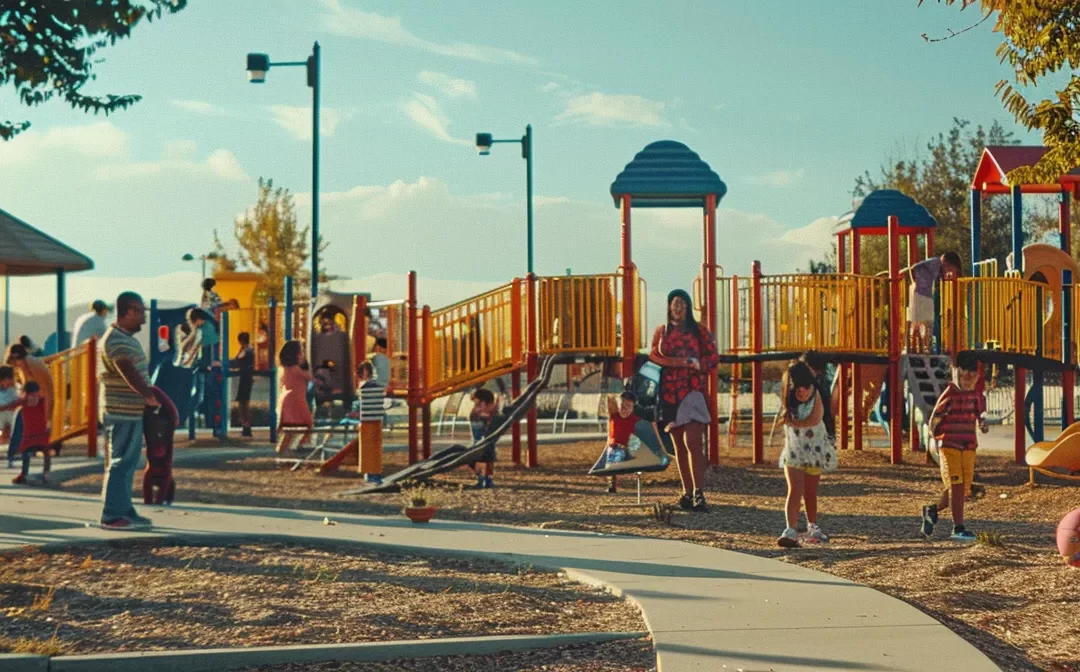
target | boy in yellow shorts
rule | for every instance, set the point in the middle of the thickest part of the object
(953, 425)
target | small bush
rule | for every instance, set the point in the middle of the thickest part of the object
(990, 538)
(37, 647)
(419, 496)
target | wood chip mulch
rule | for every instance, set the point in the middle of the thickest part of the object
(139, 596)
(1012, 597)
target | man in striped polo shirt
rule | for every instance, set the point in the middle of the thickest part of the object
(953, 425)
(125, 393)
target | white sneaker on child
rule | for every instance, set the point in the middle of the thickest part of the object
(789, 538)
(814, 532)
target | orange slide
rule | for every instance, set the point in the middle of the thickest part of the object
(1059, 458)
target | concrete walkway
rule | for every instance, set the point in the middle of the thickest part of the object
(706, 608)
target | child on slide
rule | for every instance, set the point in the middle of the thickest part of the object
(808, 452)
(621, 423)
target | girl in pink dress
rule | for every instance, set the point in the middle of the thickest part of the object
(292, 409)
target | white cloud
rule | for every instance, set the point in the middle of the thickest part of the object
(297, 120)
(541, 201)
(778, 178)
(349, 22)
(452, 87)
(177, 159)
(98, 140)
(817, 237)
(424, 111)
(550, 87)
(200, 107)
(602, 109)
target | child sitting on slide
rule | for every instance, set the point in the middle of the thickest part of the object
(621, 423)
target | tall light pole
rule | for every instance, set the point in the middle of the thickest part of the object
(257, 66)
(484, 141)
(204, 257)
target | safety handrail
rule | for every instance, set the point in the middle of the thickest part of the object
(74, 397)
(577, 313)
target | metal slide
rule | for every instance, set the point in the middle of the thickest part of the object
(457, 454)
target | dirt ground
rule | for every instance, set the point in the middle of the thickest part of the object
(1011, 595)
(624, 656)
(141, 595)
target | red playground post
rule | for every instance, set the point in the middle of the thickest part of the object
(896, 400)
(756, 368)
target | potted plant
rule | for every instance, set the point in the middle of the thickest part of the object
(419, 503)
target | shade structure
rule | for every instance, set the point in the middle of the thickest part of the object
(667, 174)
(26, 251)
(991, 175)
(870, 215)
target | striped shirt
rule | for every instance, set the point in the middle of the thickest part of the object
(371, 402)
(957, 413)
(121, 401)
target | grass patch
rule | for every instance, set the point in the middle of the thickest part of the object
(44, 601)
(38, 647)
(990, 538)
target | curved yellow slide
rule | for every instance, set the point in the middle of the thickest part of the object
(1061, 453)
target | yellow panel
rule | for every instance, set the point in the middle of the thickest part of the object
(242, 287)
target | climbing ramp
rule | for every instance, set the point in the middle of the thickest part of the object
(927, 377)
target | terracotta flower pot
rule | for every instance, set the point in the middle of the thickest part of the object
(420, 514)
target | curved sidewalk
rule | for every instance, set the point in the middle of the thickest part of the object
(706, 608)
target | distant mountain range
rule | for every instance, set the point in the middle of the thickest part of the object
(40, 327)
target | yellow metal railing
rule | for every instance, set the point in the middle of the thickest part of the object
(1005, 310)
(986, 269)
(577, 313)
(834, 312)
(72, 396)
(470, 339)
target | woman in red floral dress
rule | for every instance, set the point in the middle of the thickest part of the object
(687, 352)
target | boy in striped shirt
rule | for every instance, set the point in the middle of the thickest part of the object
(953, 424)
(370, 413)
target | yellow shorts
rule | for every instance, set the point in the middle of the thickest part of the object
(809, 471)
(957, 467)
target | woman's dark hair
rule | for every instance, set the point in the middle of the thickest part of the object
(208, 284)
(798, 375)
(290, 353)
(691, 323)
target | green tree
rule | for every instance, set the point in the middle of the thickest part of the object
(48, 49)
(939, 177)
(1041, 45)
(272, 243)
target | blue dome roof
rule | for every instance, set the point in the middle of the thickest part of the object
(667, 174)
(875, 209)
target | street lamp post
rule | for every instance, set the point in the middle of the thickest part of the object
(257, 66)
(484, 141)
(190, 257)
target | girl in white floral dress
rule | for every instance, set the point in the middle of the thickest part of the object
(808, 452)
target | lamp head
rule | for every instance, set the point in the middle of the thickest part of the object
(257, 65)
(483, 143)
(187, 257)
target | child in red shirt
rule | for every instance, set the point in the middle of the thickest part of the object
(621, 423)
(953, 424)
(35, 431)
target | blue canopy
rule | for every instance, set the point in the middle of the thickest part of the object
(667, 174)
(874, 211)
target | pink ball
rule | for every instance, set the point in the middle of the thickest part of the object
(1068, 538)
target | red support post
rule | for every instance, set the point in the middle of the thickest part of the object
(712, 386)
(756, 367)
(1068, 377)
(414, 371)
(517, 350)
(1019, 440)
(857, 388)
(628, 290)
(532, 366)
(896, 401)
(425, 363)
(929, 243)
(92, 398)
(736, 368)
(844, 369)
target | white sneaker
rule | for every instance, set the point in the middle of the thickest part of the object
(789, 539)
(814, 532)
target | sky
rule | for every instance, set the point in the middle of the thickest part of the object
(787, 102)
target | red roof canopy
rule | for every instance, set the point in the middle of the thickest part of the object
(991, 176)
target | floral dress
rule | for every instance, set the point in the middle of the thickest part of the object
(682, 389)
(807, 443)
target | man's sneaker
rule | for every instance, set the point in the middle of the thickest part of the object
(19, 480)
(686, 502)
(929, 519)
(117, 524)
(814, 532)
(140, 522)
(962, 535)
(789, 538)
(699, 502)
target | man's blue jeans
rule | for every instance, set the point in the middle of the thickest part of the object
(125, 450)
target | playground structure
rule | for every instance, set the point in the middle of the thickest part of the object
(1024, 318)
